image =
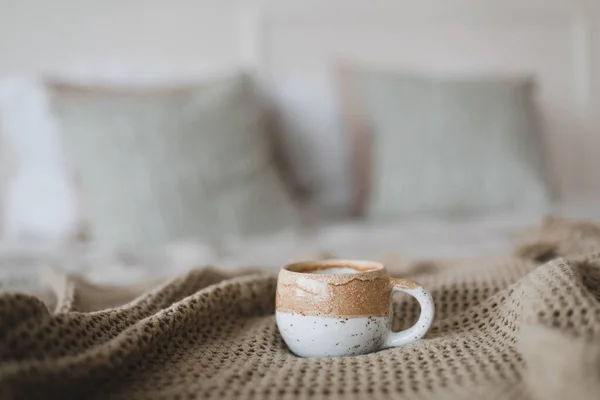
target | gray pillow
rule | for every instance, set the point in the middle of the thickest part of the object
(163, 165)
(452, 147)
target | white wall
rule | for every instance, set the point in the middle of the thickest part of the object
(38, 34)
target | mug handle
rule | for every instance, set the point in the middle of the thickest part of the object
(418, 330)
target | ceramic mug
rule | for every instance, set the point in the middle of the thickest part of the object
(338, 308)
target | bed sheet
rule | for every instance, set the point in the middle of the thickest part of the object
(23, 267)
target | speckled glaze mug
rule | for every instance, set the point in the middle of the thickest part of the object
(337, 308)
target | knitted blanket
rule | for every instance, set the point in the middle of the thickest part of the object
(526, 326)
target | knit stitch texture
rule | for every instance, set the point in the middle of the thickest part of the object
(526, 326)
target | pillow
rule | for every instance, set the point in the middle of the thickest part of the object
(444, 147)
(4, 177)
(154, 166)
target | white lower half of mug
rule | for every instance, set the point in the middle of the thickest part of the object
(318, 336)
(314, 336)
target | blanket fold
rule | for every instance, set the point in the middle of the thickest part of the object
(526, 326)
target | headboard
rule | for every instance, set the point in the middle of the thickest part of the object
(295, 51)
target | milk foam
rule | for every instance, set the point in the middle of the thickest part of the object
(335, 271)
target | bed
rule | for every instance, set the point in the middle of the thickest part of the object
(292, 51)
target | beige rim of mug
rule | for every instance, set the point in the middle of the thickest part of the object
(306, 267)
(350, 295)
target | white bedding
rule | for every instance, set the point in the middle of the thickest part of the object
(497, 235)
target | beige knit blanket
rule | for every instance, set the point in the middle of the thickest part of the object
(522, 327)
